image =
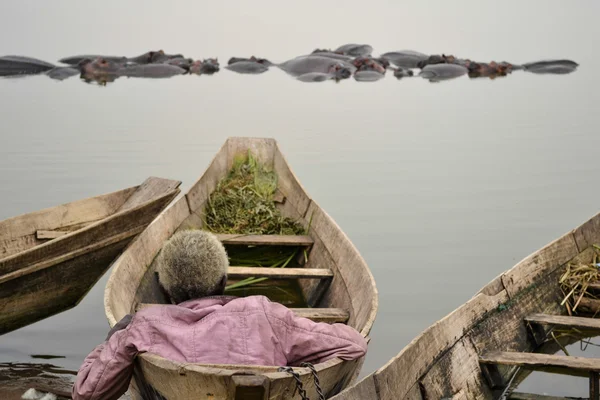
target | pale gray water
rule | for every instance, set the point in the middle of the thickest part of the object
(440, 186)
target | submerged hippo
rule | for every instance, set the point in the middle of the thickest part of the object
(355, 50)
(103, 71)
(74, 60)
(155, 71)
(367, 75)
(62, 73)
(405, 58)
(551, 67)
(252, 65)
(313, 63)
(488, 70)
(19, 65)
(370, 64)
(442, 72)
(181, 62)
(207, 66)
(152, 57)
(316, 77)
(402, 72)
(331, 54)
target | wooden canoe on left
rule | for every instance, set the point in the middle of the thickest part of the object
(49, 259)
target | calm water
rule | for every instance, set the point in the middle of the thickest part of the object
(440, 186)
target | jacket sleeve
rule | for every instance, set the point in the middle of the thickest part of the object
(107, 370)
(303, 340)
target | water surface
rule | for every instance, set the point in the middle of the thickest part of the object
(440, 186)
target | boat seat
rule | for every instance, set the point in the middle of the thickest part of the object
(266, 240)
(329, 315)
(568, 365)
(279, 273)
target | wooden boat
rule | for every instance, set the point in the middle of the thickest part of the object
(499, 335)
(49, 259)
(335, 281)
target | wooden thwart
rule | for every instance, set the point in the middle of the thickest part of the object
(266, 240)
(278, 273)
(587, 324)
(531, 396)
(329, 315)
(541, 362)
(42, 234)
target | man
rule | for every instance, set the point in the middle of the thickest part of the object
(203, 326)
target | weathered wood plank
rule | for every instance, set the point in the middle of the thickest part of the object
(199, 192)
(265, 240)
(279, 273)
(587, 324)
(569, 365)
(151, 188)
(589, 305)
(540, 263)
(49, 235)
(363, 390)
(588, 233)
(400, 374)
(329, 315)
(456, 375)
(531, 396)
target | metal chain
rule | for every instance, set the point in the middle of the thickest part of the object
(296, 376)
(316, 378)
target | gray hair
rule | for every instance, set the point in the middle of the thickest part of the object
(192, 264)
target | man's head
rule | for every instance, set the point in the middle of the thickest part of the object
(192, 264)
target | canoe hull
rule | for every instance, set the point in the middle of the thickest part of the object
(54, 276)
(352, 288)
(443, 362)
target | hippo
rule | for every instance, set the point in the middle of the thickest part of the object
(181, 62)
(442, 72)
(331, 54)
(312, 63)
(74, 60)
(367, 75)
(405, 58)
(247, 67)
(155, 71)
(19, 65)
(316, 77)
(103, 71)
(488, 70)
(207, 66)
(551, 67)
(436, 59)
(402, 72)
(263, 61)
(62, 73)
(152, 57)
(372, 64)
(355, 50)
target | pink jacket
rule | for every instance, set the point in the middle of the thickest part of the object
(213, 330)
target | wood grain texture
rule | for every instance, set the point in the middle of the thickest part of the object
(543, 362)
(363, 390)
(278, 273)
(150, 189)
(265, 240)
(531, 396)
(588, 233)
(587, 324)
(49, 235)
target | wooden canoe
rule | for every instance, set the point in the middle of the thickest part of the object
(474, 351)
(347, 288)
(49, 259)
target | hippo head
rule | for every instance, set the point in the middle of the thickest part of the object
(339, 71)
(99, 66)
(207, 66)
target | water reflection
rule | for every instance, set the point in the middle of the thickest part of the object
(350, 60)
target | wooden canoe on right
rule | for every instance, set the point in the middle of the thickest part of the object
(499, 335)
(49, 259)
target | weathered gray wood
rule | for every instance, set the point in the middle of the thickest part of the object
(278, 273)
(581, 323)
(151, 188)
(531, 396)
(589, 305)
(329, 315)
(363, 390)
(49, 235)
(588, 233)
(265, 240)
(568, 365)
(249, 387)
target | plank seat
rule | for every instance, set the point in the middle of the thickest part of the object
(581, 323)
(266, 240)
(329, 315)
(279, 273)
